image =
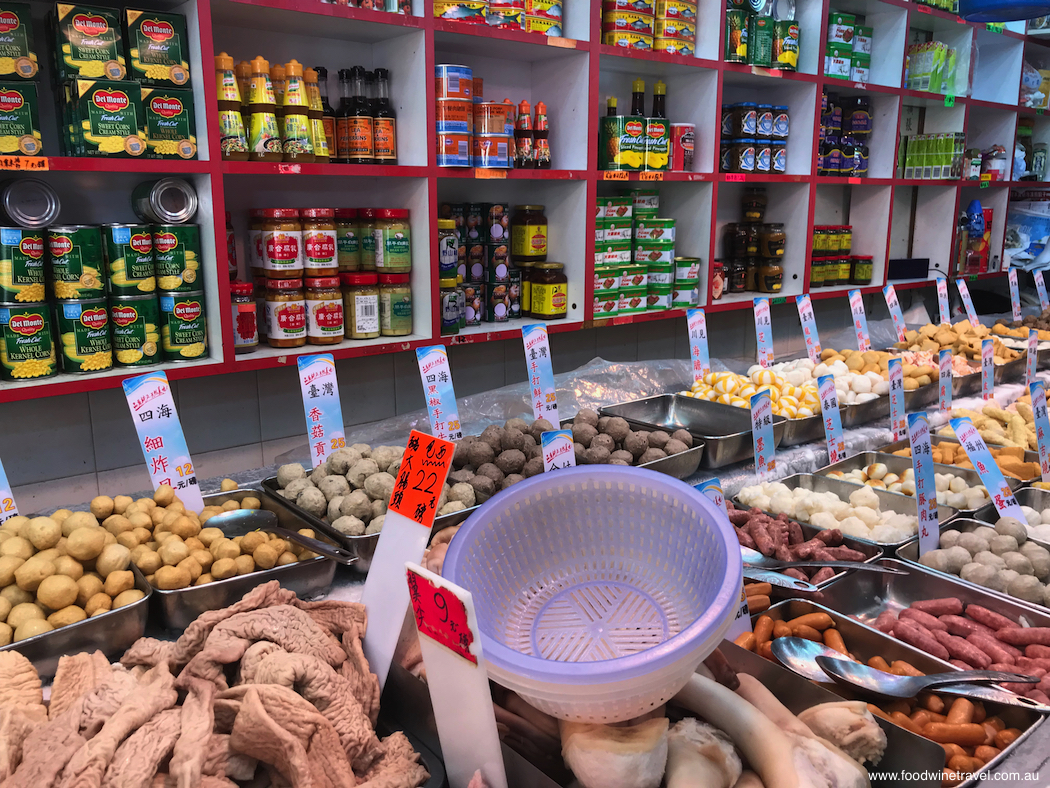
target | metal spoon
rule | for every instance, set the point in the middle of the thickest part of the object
(245, 520)
(777, 579)
(755, 558)
(877, 682)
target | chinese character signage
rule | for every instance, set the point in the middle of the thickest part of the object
(558, 448)
(8, 509)
(1015, 295)
(1040, 286)
(441, 615)
(161, 438)
(944, 380)
(925, 485)
(942, 300)
(698, 353)
(991, 477)
(541, 372)
(860, 320)
(829, 408)
(763, 332)
(436, 375)
(762, 433)
(421, 477)
(898, 422)
(809, 327)
(987, 367)
(324, 416)
(895, 311)
(712, 488)
(964, 293)
(1042, 427)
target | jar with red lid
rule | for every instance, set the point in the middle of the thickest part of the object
(282, 246)
(393, 241)
(324, 311)
(245, 324)
(285, 313)
(361, 305)
(319, 242)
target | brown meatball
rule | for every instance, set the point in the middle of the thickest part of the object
(637, 443)
(651, 455)
(493, 436)
(484, 488)
(584, 433)
(513, 438)
(623, 456)
(461, 475)
(675, 447)
(658, 439)
(492, 471)
(516, 424)
(512, 479)
(539, 427)
(603, 422)
(587, 416)
(581, 453)
(461, 457)
(684, 437)
(597, 455)
(618, 428)
(511, 461)
(533, 467)
(603, 441)
(480, 452)
(532, 450)
(619, 462)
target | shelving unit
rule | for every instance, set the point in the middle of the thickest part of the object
(892, 217)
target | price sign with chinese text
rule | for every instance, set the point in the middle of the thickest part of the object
(987, 368)
(942, 300)
(1040, 286)
(829, 408)
(991, 477)
(457, 678)
(324, 415)
(763, 332)
(698, 351)
(964, 294)
(944, 380)
(895, 311)
(558, 449)
(421, 477)
(1033, 356)
(712, 489)
(8, 508)
(860, 320)
(925, 485)
(541, 372)
(898, 422)
(1042, 427)
(1015, 294)
(161, 438)
(762, 433)
(809, 327)
(440, 396)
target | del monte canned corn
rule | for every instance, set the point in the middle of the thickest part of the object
(176, 255)
(129, 258)
(183, 326)
(83, 327)
(21, 265)
(27, 349)
(136, 330)
(77, 266)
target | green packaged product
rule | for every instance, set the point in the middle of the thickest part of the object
(606, 304)
(633, 300)
(107, 118)
(21, 265)
(86, 43)
(658, 297)
(176, 257)
(653, 252)
(760, 41)
(17, 58)
(83, 327)
(622, 143)
(170, 124)
(27, 349)
(19, 119)
(158, 47)
(654, 230)
(78, 269)
(607, 278)
(135, 326)
(183, 326)
(736, 36)
(657, 144)
(785, 44)
(661, 275)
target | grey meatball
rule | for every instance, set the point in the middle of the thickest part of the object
(1000, 543)
(297, 486)
(587, 416)
(332, 486)
(287, 474)
(618, 429)
(363, 449)
(1007, 576)
(597, 455)
(604, 441)
(1040, 558)
(480, 452)
(357, 504)
(395, 467)
(312, 500)
(360, 471)
(684, 437)
(342, 460)
(385, 456)
(516, 424)
(957, 557)
(511, 480)
(350, 526)
(380, 486)
(977, 573)
(375, 526)
(1026, 588)
(378, 508)
(603, 422)
(493, 436)
(651, 455)
(511, 461)
(461, 477)
(464, 494)
(579, 450)
(986, 532)
(452, 506)
(533, 467)
(532, 450)
(529, 440)
(484, 488)
(334, 506)
(619, 462)
(584, 433)
(491, 470)
(990, 559)
(318, 473)
(950, 538)
(658, 439)
(620, 455)
(1010, 526)
(539, 427)
(637, 443)
(935, 559)
(513, 438)
(460, 458)
(1019, 563)
(443, 498)
(673, 446)
(973, 543)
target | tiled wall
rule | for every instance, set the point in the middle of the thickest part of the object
(62, 450)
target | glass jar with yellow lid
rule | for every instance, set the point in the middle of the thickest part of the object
(361, 305)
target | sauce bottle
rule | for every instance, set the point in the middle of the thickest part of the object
(659, 100)
(508, 129)
(327, 113)
(298, 137)
(638, 98)
(384, 123)
(316, 115)
(540, 130)
(232, 144)
(610, 107)
(277, 77)
(264, 138)
(243, 73)
(524, 155)
(353, 121)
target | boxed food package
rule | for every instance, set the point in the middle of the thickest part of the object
(170, 123)
(17, 58)
(106, 118)
(157, 47)
(86, 42)
(19, 119)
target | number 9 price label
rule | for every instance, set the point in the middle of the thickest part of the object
(8, 509)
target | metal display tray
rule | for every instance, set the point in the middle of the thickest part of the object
(893, 502)
(112, 633)
(898, 465)
(920, 398)
(863, 412)
(726, 430)
(1027, 496)
(1013, 370)
(1029, 456)
(865, 642)
(177, 609)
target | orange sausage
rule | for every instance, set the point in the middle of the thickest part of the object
(964, 764)
(961, 712)
(995, 722)
(900, 718)
(807, 632)
(935, 717)
(758, 603)
(991, 732)
(950, 779)
(951, 750)
(966, 735)
(897, 705)
(781, 630)
(763, 629)
(1005, 738)
(879, 664)
(875, 710)
(766, 650)
(979, 712)
(746, 640)
(986, 753)
(902, 668)
(932, 702)
(833, 639)
(758, 589)
(920, 717)
(819, 621)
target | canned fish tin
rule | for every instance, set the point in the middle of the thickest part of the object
(505, 17)
(497, 309)
(29, 202)
(21, 265)
(176, 256)
(469, 11)
(545, 9)
(453, 81)
(638, 6)
(607, 278)
(27, 349)
(618, 253)
(129, 259)
(661, 274)
(674, 46)
(677, 29)
(676, 9)
(633, 300)
(167, 201)
(77, 266)
(490, 118)
(606, 304)
(135, 326)
(649, 252)
(686, 268)
(634, 277)
(660, 230)
(453, 150)
(454, 116)
(490, 151)
(624, 39)
(83, 327)
(541, 24)
(627, 22)
(183, 326)
(658, 297)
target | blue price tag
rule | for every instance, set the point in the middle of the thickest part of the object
(897, 420)
(964, 293)
(992, 478)
(1042, 427)
(541, 372)
(436, 376)
(942, 300)
(763, 332)
(895, 311)
(987, 367)
(1033, 356)
(324, 415)
(762, 432)
(1040, 286)
(698, 352)
(809, 327)
(10, 236)
(829, 406)
(558, 450)
(925, 484)
(945, 380)
(712, 488)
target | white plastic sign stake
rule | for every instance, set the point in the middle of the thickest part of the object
(324, 415)
(8, 508)
(942, 300)
(1015, 294)
(406, 530)
(541, 372)
(925, 485)
(987, 368)
(1042, 427)
(558, 449)
(698, 351)
(161, 438)
(762, 433)
(944, 374)
(1033, 356)
(1040, 286)
(763, 332)
(895, 311)
(436, 374)
(457, 678)
(809, 327)
(860, 320)
(991, 477)
(964, 293)
(898, 422)
(741, 625)
(829, 406)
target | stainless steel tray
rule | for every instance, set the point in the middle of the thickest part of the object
(1027, 496)
(898, 465)
(865, 642)
(680, 466)
(726, 430)
(1029, 456)
(864, 412)
(918, 399)
(1012, 370)
(805, 430)
(178, 609)
(965, 385)
(887, 500)
(112, 633)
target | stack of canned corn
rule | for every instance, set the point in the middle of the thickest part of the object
(663, 25)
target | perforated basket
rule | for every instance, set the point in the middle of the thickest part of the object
(598, 590)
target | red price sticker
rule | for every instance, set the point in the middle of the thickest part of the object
(614, 175)
(25, 163)
(854, 180)
(483, 173)
(924, 10)
(734, 177)
(651, 176)
(289, 169)
(441, 615)
(421, 477)
(564, 43)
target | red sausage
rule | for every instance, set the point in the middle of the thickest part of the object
(831, 537)
(947, 606)
(761, 536)
(885, 621)
(961, 649)
(1039, 696)
(957, 625)
(992, 647)
(823, 574)
(1028, 662)
(928, 621)
(960, 664)
(1043, 685)
(1035, 651)
(1024, 636)
(806, 550)
(842, 554)
(798, 574)
(795, 535)
(920, 637)
(989, 618)
(744, 538)
(737, 517)
(783, 553)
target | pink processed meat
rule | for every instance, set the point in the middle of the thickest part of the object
(1035, 651)
(996, 651)
(961, 649)
(915, 635)
(885, 621)
(990, 618)
(947, 606)
(1025, 636)
(957, 625)
(925, 619)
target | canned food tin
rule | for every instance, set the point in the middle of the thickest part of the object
(167, 201)
(77, 266)
(477, 261)
(129, 259)
(29, 202)
(469, 11)
(607, 278)
(674, 46)
(785, 44)
(183, 326)
(541, 24)
(628, 40)
(632, 300)
(676, 9)
(453, 150)
(498, 269)
(514, 293)
(27, 349)
(661, 275)
(658, 297)
(686, 268)
(837, 61)
(616, 253)
(661, 230)
(606, 304)
(840, 28)
(490, 118)
(638, 6)
(860, 68)
(505, 17)
(21, 265)
(627, 22)
(736, 36)
(685, 295)
(645, 200)
(497, 309)
(651, 253)
(176, 257)
(490, 151)
(633, 277)
(83, 328)
(474, 296)
(862, 38)
(454, 81)
(676, 29)
(683, 142)
(135, 326)
(454, 116)
(617, 230)
(546, 9)
(599, 231)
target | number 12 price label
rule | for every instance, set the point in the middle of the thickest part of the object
(925, 484)
(987, 368)
(436, 375)
(1015, 294)
(992, 478)
(898, 423)
(829, 406)
(895, 311)
(8, 509)
(809, 327)
(1042, 427)
(964, 294)
(698, 351)
(541, 372)
(324, 415)
(860, 320)
(762, 433)
(763, 332)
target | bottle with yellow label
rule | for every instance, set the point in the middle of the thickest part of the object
(550, 291)
(298, 135)
(264, 138)
(316, 115)
(233, 146)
